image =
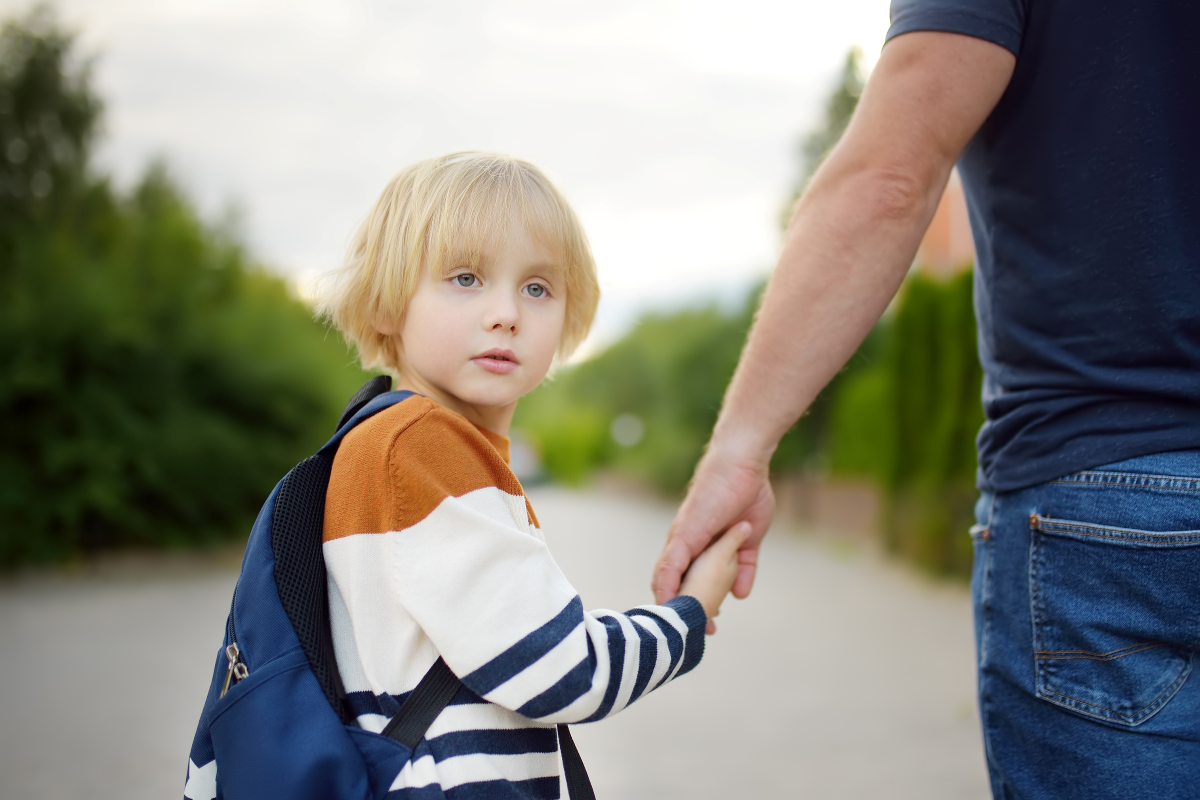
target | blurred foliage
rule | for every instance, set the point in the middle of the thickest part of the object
(670, 372)
(903, 413)
(154, 385)
(909, 422)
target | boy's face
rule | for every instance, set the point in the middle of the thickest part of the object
(478, 340)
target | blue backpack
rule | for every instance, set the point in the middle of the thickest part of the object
(276, 723)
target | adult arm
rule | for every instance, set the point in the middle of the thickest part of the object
(850, 243)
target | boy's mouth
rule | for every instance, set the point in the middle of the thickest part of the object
(497, 360)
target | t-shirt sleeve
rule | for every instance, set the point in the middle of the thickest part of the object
(1001, 22)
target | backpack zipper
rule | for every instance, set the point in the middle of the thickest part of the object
(237, 667)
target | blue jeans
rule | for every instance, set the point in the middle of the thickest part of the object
(1087, 624)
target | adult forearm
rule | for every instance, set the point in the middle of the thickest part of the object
(849, 245)
(856, 229)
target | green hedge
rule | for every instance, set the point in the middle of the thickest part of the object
(154, 384)
(909, 422)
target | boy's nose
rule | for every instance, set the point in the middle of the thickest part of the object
(504, 315)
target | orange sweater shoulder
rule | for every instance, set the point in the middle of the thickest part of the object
(395, 468)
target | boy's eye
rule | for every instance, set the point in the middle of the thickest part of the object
(466, 279)
(536, 290)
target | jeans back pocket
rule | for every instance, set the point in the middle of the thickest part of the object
(1116, 616)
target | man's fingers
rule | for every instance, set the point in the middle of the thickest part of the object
(669, 569)
(665, 584)
(747, 564)
(743, 582)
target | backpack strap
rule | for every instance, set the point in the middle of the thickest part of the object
(579, 785)
(297, 523)
(369, 391)
(434, 693)
(296, 526)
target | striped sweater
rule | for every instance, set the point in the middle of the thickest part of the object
(433, 549)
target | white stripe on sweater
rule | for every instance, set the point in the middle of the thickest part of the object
(468, 583)
(475, 769)
(479, 717)
(543, 673)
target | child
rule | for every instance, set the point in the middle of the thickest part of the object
(467, 280)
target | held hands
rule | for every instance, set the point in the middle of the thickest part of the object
(727, 489)
(712, 574)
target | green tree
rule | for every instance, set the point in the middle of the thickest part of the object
(154, 383)
(48, 114)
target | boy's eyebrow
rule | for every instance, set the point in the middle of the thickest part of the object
(456, 259)
(546, 266)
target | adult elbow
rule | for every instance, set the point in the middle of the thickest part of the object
(895, 196)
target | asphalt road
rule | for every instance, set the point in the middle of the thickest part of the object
(843, 676)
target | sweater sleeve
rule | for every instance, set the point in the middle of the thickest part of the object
(483, 587)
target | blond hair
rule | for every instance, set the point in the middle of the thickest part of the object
(441, 214)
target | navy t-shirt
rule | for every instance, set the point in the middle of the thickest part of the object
(1084, 194)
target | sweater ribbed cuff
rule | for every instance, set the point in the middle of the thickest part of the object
(692, 613)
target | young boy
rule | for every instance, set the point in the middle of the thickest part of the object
(467, 280)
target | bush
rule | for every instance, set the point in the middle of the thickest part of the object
(154, 385)
(909, 421)
(937, 381)
(670, 372)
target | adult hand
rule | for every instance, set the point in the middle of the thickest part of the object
(727, 488)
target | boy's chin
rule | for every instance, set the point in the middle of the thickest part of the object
(490, 397)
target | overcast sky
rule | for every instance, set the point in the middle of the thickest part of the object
(671, 125)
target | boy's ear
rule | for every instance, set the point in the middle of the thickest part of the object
(386, 326)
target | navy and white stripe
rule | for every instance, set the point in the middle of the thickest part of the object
(474, 583)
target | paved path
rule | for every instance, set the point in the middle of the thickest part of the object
(841, 677)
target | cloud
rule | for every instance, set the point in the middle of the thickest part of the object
(671, 125)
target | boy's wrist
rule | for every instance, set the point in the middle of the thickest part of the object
(708, 608)
(692, 613)
(690, 610)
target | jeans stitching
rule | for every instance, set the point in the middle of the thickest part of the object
(1035, 599)
(1114, 655)
(1144, 713)
(985, 589)
(1126, 534)
(1098, 479)
(985, 622)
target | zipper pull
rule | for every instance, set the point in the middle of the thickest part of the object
(237, 668)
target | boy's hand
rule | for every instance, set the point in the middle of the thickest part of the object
(712, 574)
